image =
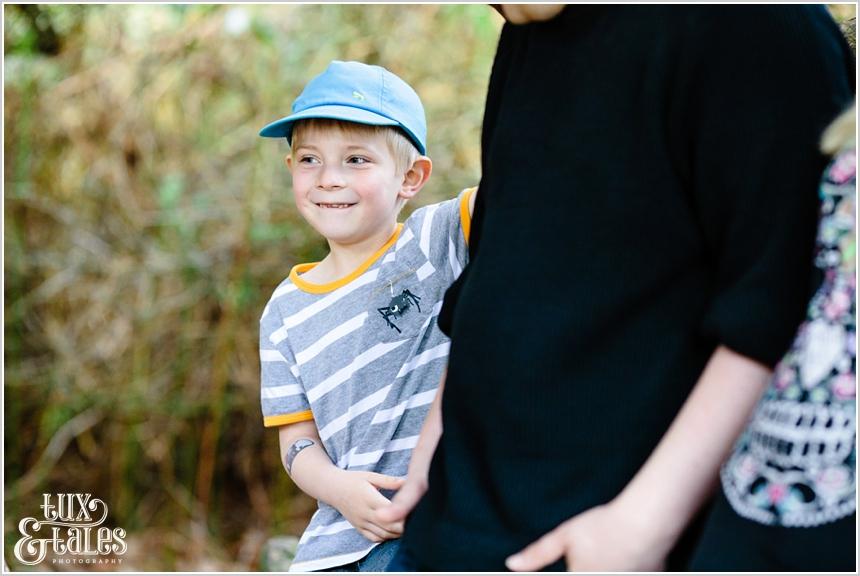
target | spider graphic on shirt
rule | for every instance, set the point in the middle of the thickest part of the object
(398, 306)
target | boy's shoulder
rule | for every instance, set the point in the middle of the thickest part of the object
(432, 219)
(273, 308)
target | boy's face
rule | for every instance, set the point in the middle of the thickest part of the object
(346, 185)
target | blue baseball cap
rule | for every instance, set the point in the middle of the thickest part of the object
(361, 93)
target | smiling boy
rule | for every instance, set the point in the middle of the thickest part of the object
(350, 351)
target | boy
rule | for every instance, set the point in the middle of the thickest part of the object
(350, 351)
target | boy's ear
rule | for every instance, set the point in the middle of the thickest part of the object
(415, 178)
(288, 160)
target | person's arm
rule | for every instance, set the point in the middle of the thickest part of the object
(419, 466)
(355, 494)
(638, 528)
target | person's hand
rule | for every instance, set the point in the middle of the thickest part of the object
(406, 498)
(602, 539)
(524, 13)
(359, 501)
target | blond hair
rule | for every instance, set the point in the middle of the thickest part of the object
(402, 149)
(841, 132)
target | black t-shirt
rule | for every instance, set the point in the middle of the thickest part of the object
(648, 192)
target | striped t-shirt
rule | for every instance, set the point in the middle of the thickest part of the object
(363, 357)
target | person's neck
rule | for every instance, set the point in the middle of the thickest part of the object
(343, 259)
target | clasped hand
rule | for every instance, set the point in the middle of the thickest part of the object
(359, 501)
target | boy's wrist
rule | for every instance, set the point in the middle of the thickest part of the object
(332, 490)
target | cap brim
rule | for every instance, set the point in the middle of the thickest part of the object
(283, 127)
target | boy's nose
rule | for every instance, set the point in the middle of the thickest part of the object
(331, 178)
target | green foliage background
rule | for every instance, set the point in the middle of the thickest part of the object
(146, 225)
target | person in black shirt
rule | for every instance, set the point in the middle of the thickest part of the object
(640, 258)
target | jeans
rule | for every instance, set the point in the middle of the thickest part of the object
(376, 560)
(402, 562)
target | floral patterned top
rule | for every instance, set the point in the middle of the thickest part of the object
(795, 463)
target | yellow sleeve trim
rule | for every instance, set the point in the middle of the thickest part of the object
(324, 288)
(465, 218)
(284, 419)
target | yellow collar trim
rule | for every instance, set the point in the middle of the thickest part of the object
(328, 287)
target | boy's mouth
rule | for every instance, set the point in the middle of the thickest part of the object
(334, 205)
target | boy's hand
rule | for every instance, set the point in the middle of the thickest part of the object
(602, 539)
(359, 500)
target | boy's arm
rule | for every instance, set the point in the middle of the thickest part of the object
(637, 529)
(306, 461)
(354, 494)
(419, 466)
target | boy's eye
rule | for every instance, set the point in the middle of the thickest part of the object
(357, 160)
(308, 160)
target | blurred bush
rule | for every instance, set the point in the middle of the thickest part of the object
(146, 226)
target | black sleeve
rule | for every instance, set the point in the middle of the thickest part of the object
(452, 294)
(510, 40)
(766, 83)
(446, 313)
